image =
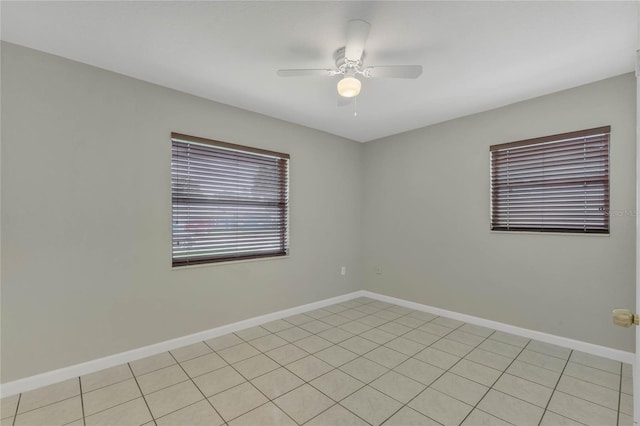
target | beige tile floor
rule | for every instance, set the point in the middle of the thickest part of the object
(354, 363)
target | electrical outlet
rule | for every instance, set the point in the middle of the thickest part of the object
(343, 270)
(378, 270)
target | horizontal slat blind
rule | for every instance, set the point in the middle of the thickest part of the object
(552, 184)
(229, 202)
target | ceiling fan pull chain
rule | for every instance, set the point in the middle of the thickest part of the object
(355, 105)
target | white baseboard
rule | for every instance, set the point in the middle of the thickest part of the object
(55, 376)
(590, 348)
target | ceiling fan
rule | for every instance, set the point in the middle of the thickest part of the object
(349, 63)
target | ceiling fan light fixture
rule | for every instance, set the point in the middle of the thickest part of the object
(349, 87)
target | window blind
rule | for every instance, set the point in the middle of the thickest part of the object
(230, 202)
(552, 184)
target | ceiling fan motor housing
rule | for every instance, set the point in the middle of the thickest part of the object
(343, 64)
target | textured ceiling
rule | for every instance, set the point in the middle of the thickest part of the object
(476, 55)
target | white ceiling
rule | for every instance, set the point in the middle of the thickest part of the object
(476, 55)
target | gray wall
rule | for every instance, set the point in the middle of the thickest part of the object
(86, 217)
(426, 221)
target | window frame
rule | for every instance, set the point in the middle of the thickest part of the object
(283, 200)
(591, 138)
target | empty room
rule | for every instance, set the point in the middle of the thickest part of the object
(319, 213)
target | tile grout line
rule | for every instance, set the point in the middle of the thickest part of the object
(114, 383)
(546, 407)
(591, 383)
(619, 397)
(596, 368)
(563, 359)
(585, 400)
(84, 420)
(494, 382)
(583, 365)
(502, 373)
(142, 393)
(443, 373)
(59, 401)
(599, 405)
(269, 400)
(540, 366)
(194, 384)
(15, 415)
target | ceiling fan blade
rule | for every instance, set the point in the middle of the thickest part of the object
(357, 34)
(305, 72)
(394, 71)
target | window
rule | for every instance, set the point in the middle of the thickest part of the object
(230, 202)
(552, 184)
